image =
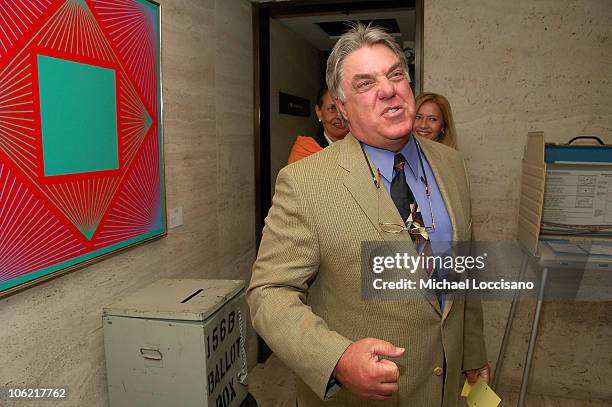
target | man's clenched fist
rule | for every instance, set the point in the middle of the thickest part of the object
(362, 371)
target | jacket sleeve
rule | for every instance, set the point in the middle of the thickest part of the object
(287, 263)
(474, 350)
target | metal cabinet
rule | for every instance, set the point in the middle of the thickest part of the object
(177, 343)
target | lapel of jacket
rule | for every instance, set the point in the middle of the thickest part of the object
(450, 193)
(358, 179)
(361, 186)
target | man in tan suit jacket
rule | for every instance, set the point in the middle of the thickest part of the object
(305, 294)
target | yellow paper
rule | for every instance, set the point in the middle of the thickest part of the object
(467, 387)
(480, 394)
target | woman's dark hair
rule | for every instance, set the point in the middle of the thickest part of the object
(320, 137)
(320, 95)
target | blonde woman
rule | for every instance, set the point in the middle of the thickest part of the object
(434, 119)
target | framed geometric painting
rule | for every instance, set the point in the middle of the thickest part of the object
(81, 160)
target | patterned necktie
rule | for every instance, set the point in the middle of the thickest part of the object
(402, 196)
(406, 205)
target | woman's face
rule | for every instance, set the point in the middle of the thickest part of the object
(329, 116)
(429, 122)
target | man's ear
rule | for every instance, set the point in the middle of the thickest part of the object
(342, 109)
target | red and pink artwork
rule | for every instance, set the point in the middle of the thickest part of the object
(81, 169)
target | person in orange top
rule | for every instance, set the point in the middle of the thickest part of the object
(332, 129)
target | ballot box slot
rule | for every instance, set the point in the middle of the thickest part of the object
(192, 295)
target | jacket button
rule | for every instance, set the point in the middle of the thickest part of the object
(438, 371)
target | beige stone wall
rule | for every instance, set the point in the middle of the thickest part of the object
(509, 68)
(294, 69)
(52, 333)
(512, 67)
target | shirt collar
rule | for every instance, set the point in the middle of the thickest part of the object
(383, 159)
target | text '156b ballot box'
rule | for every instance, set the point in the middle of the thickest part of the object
(177, 343)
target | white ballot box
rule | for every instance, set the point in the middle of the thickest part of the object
(177, 343)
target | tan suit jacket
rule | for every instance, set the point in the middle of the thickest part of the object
(305, 292)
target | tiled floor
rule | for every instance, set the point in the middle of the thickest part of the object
(272, 385)
(510, 400)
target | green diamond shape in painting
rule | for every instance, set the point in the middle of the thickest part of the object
(78, 108)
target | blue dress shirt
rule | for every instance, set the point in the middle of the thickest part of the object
(383, 161)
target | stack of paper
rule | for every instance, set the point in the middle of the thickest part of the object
(480, 394)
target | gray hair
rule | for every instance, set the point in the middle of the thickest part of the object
(357, 37)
